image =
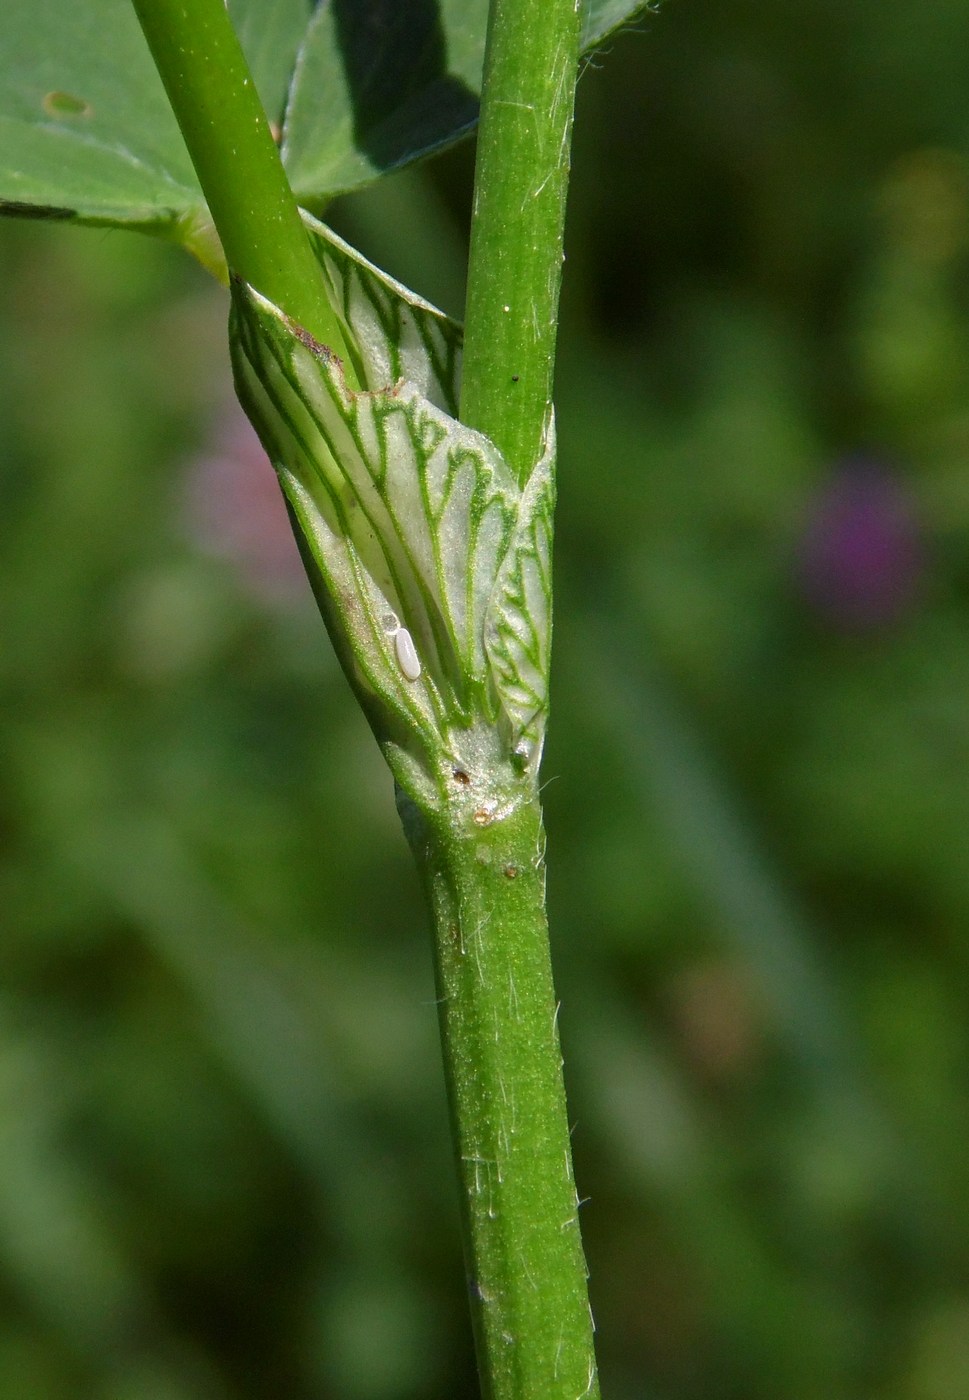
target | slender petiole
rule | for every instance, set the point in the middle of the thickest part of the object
(236, 159)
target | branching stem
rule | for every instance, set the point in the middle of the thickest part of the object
(483, 869)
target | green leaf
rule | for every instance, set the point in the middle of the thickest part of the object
(271, 32)
(86, 131)
(601, 17)
(85, 126)
(430, 564)
(380, 85)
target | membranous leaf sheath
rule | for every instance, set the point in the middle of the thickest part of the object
(430, 564)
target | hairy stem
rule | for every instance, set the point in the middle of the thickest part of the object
(524, 1253)
(521, 180)
(224, 125)
(526, 1271)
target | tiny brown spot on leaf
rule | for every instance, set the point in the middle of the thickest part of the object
(65, 104)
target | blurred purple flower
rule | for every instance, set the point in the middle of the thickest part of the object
(235, 510)
(861, 554)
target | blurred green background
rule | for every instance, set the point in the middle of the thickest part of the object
(224, 1170)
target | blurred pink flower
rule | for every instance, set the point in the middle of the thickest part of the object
(861, 554)
(235, 510)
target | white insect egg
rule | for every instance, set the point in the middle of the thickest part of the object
(407, 658)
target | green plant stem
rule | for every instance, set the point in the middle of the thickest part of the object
(521, 179)
(526, 1270)
(533, 1328)
(227, 134)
